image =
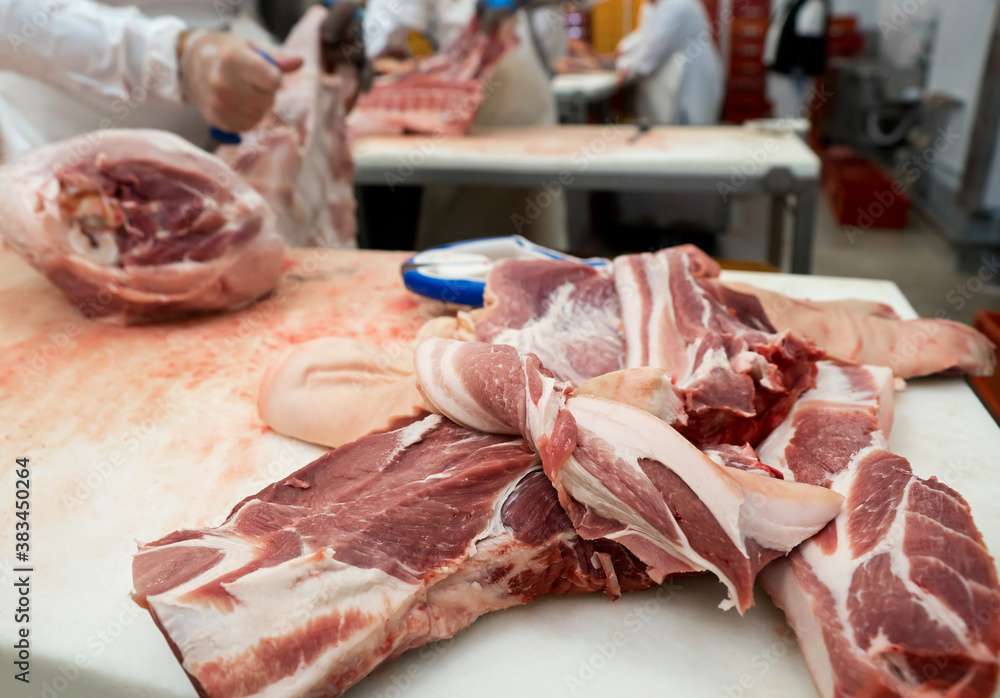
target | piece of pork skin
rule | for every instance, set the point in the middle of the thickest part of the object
(860, 333)
(332, 391)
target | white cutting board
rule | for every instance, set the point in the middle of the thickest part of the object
(203, 449)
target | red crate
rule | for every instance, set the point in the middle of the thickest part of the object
(988, 387)
(751, 8)
(862, 194)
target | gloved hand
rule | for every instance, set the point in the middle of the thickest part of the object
(227, 79)
(493, 13)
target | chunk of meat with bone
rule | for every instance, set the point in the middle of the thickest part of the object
(298, 157)
(140, 226)
(565, 313)
(332, 391)
(738, 375)
(624, 475)
(864, 335)
(379, 547)
(440, 94)
(898, 596)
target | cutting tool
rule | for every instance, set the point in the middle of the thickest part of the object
(456, 272)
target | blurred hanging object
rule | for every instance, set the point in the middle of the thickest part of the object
(297, 157)
(795, 53)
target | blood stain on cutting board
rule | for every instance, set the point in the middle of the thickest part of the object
(103, 379)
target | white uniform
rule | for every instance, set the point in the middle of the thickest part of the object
(72, 66)
(521, 96)
(788, 93)
(679, 70)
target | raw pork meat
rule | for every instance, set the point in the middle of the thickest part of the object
(624, 475)
(565, 313)
(441, 93)
(298, 156)
(333, 391)
(381, 546)
(872, 334)
(738, 375)
(140, 226)
(898, 596)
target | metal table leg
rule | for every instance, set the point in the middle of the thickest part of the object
(776, 234)
(804, 229)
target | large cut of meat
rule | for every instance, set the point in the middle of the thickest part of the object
(298, 156)
(858, 334)
(565, 313)
(625, 475)
(140, 226)
(739, 376)
(898, 596)
(383, 545)
(440, 94)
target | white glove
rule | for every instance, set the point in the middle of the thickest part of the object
(227, 79)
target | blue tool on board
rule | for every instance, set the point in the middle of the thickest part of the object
(456, 272)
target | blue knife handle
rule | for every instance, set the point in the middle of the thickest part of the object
(228, 137)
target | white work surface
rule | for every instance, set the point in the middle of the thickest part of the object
(590, 87)
(201, 454)
(585, 153)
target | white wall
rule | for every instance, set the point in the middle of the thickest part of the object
(865, 10)
(963, 35)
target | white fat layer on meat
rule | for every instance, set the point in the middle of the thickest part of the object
(638, 435)
(104, 254)
(661, 311)
(563, 316)
(588, 490)
(275, 601)
(836, 570)
(778, 514)
(495, 526)
(442, 385)
(205, 630)
(783, 586)
(627, 288)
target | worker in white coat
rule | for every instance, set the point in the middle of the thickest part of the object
(518, 95)
(673, 61)
(72, 66)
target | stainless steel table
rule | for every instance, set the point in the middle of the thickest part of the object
(727, 160)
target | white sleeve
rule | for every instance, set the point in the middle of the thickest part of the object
(811, 20)
(113, 52)
(670, 27)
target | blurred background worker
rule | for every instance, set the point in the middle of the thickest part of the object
(519, 94)
(75, 66)
(674, 63)
(795, 53)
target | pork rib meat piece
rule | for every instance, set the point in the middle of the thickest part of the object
(623, 474)
(297, 157)
(440, 94)
(873, 335)
(738, 375)
(140, 226)
(898, 596)
(564, 312)
(378, 547)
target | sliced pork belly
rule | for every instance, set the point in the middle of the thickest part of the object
(565, 313)
(898, 596)
(140, 226)
(860, 333)
(625, 475)
(333, 391)
(383, 545)
(740, 377)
